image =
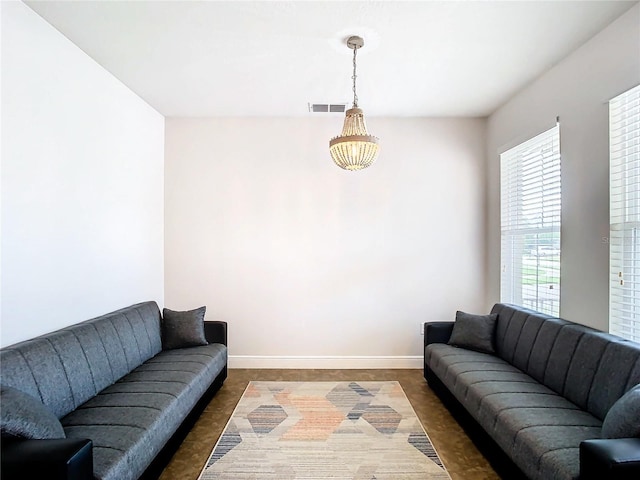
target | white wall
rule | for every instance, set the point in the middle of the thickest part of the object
(313, 266)
(82, 184)
(577, 90)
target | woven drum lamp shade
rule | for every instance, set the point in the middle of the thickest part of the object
(354, 149)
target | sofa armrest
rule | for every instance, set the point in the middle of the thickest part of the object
(616, 458)
(57, 459)
(215, 332)
(437, 332)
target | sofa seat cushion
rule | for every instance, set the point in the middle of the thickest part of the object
(539, 429)
(458, 368)
(552, 451)
(130, 421)
(481, 386)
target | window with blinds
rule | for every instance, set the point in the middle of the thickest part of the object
(530, 223)
(624, 208)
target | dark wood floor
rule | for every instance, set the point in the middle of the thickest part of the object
(459, 454)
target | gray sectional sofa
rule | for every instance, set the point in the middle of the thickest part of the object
(119, 397)
(548, 394)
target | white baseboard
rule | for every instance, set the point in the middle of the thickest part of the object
(324, 362)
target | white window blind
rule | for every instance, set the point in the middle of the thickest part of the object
(530, 223)
(624, 248)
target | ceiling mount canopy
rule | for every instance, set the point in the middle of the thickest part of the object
(354, 148)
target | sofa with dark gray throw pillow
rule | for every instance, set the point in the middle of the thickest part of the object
(561, 400)
(103, 398)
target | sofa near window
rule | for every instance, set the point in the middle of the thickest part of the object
(561, 400)
(102, 399)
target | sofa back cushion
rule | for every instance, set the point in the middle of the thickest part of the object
(562, 354)
(67, 367)
(590, 368)
(517, 333)
(586, 349)
(541, 350)
(618, 371)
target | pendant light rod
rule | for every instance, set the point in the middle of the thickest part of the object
(355, 43)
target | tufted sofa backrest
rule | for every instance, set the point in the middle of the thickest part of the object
(67, 367)
(590, 368)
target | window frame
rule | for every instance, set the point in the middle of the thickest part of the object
(624, 214)
(530, 222)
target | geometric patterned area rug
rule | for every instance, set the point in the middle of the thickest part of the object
(324, 430)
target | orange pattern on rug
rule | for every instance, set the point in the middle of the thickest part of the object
(319, 419)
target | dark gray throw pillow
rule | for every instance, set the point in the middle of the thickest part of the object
(474, 332)
(623, 418)
(183, 329)
(23, 416)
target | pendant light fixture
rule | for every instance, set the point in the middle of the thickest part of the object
(354, 149)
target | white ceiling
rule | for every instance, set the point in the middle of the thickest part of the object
(246, 58)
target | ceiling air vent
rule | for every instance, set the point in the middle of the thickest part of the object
(327, 107)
